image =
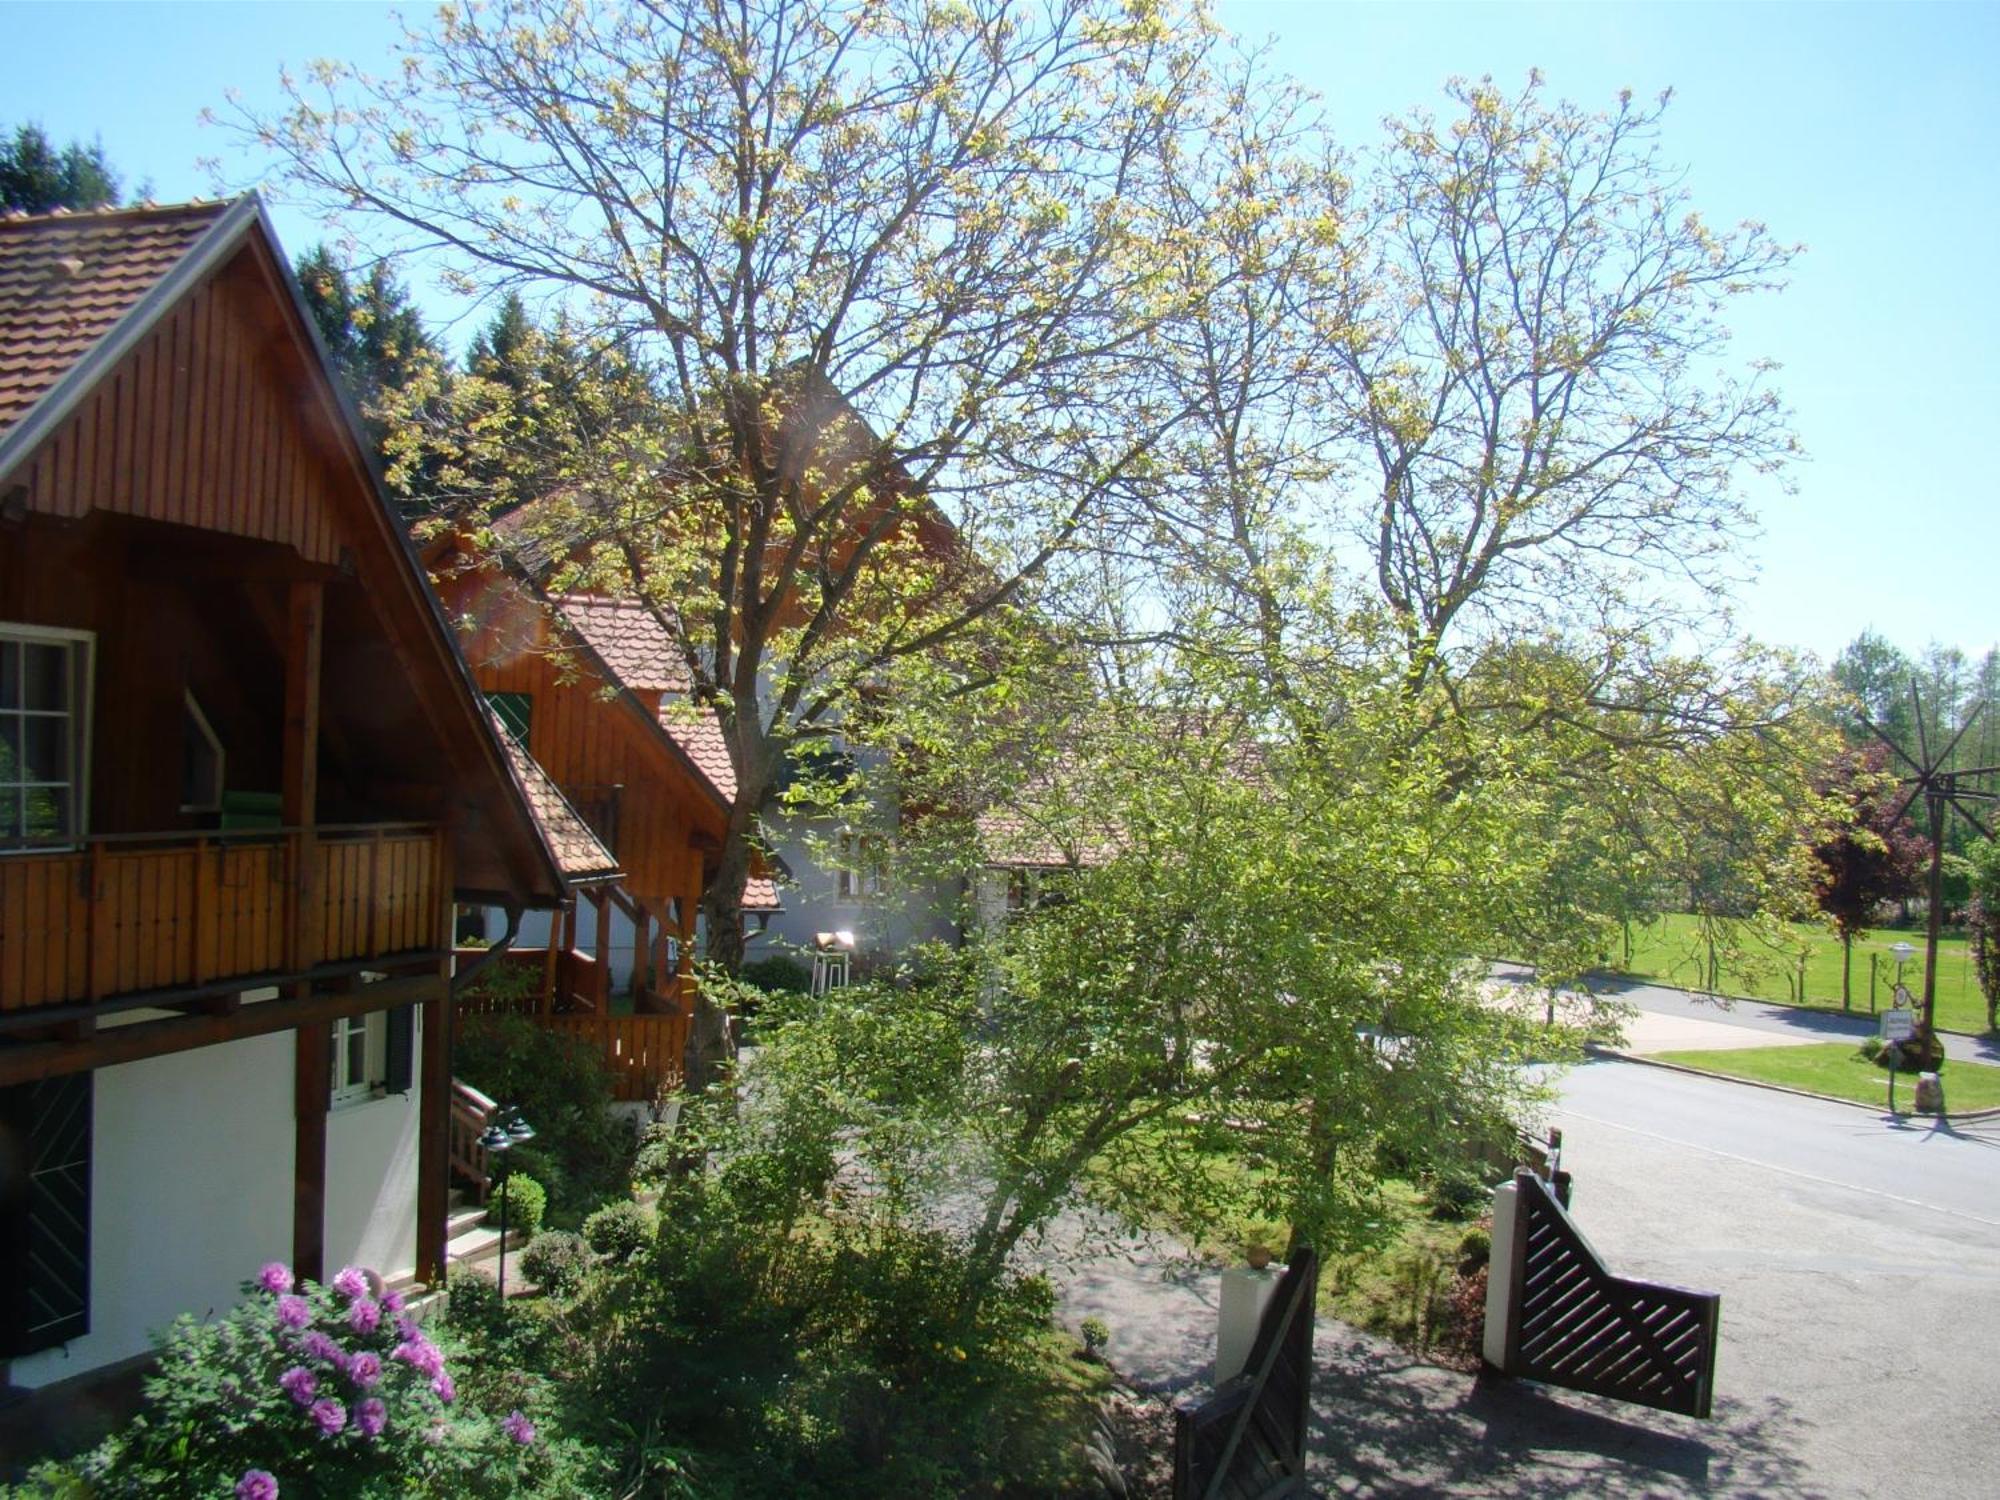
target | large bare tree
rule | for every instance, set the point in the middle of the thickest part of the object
(899, 271)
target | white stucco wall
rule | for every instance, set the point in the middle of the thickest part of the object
(371, 1181)
(191, 1191)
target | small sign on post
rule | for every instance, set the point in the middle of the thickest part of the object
(1900, 1023)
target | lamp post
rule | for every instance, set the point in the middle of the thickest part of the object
(498, 1140)
(1904, 953)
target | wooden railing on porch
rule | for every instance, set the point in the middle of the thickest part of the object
(643, 1053)
(133, 913)
(471, 1113)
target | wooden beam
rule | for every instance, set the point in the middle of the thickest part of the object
(305, 628)
(26, 1061)
(311, 1082)
(641, 953)
(434, 1095)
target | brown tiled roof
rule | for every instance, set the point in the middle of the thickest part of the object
(67, 279)
(578, 852)
(761, 894)
(699, 732)
(630, 640)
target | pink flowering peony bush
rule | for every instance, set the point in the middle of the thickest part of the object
(311, 1391)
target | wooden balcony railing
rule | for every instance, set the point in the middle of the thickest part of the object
(143, 913)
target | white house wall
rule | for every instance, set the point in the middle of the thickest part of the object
(190, 1192)
(371, 1181)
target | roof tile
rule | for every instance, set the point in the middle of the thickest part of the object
(67, 279)
(578, 851)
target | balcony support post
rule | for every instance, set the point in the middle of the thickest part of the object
(312, 1081)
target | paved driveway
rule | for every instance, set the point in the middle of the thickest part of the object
(1859, 1266)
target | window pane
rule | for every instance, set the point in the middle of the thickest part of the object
(357, 1055)
(47, 812)
(10, 674)
(10, 748)
(45, 742)
(45, 675)
(10, 815)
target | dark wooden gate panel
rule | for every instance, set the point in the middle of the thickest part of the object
(1579, 1326)
(1248, 1440)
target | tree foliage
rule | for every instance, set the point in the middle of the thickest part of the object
(36, 177)
(1874, 857)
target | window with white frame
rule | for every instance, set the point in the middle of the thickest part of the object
(864, 866)
(360, 1057)
(201, 761)
(44, 735)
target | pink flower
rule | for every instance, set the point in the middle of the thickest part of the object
(392, 1302)
(364, 1370)
(364, 1316)
(274, 1278)
(408, 1328)
(317, 1345)
(300, 1384)
(351, 1282)
(293, 1311)
(519, 1428)
(329, 1416)
(370, 1417)
(257, 1484)
(420, 1354)
(446, 1391)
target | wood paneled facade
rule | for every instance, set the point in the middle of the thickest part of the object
(605, 746)
(276, 776)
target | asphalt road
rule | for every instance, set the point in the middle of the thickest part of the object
(1858, 1260)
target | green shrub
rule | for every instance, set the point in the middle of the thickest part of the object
(780, 972)
(309, 1391)
(1454, 1195)
(556, 1261)
(525, 1201)
(618, 1231)
(581, 1153)
(1096, 1334)
(1475, 1249)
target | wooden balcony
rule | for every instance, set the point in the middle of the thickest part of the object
(148, 914)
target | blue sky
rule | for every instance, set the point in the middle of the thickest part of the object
(1867, 132)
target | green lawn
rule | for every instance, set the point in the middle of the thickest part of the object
(1837, 1069)
(1669, 949)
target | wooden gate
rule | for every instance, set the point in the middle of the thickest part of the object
(1570, 1322)
(1248, 1440)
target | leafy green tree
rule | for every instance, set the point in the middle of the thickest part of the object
(1983, 924)
(374, 332)
(36, 177)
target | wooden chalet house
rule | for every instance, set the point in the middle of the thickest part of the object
(586, 689)
(244, 777)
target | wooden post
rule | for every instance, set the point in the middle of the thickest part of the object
(299, 796)
(299, 788)
(600, 901)
(311, 1081)
(642, 948)
(434, 1089)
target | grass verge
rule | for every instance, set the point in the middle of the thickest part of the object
(1670, 950)
(1836, 1069)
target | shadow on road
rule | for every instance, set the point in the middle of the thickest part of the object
(1384, 1424)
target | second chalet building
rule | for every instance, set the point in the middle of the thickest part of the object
(245, 777)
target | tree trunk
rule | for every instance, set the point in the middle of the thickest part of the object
(1847, 971)
(708, 1045)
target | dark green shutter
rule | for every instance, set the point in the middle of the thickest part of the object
(45, 1213)
(401, 1069)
